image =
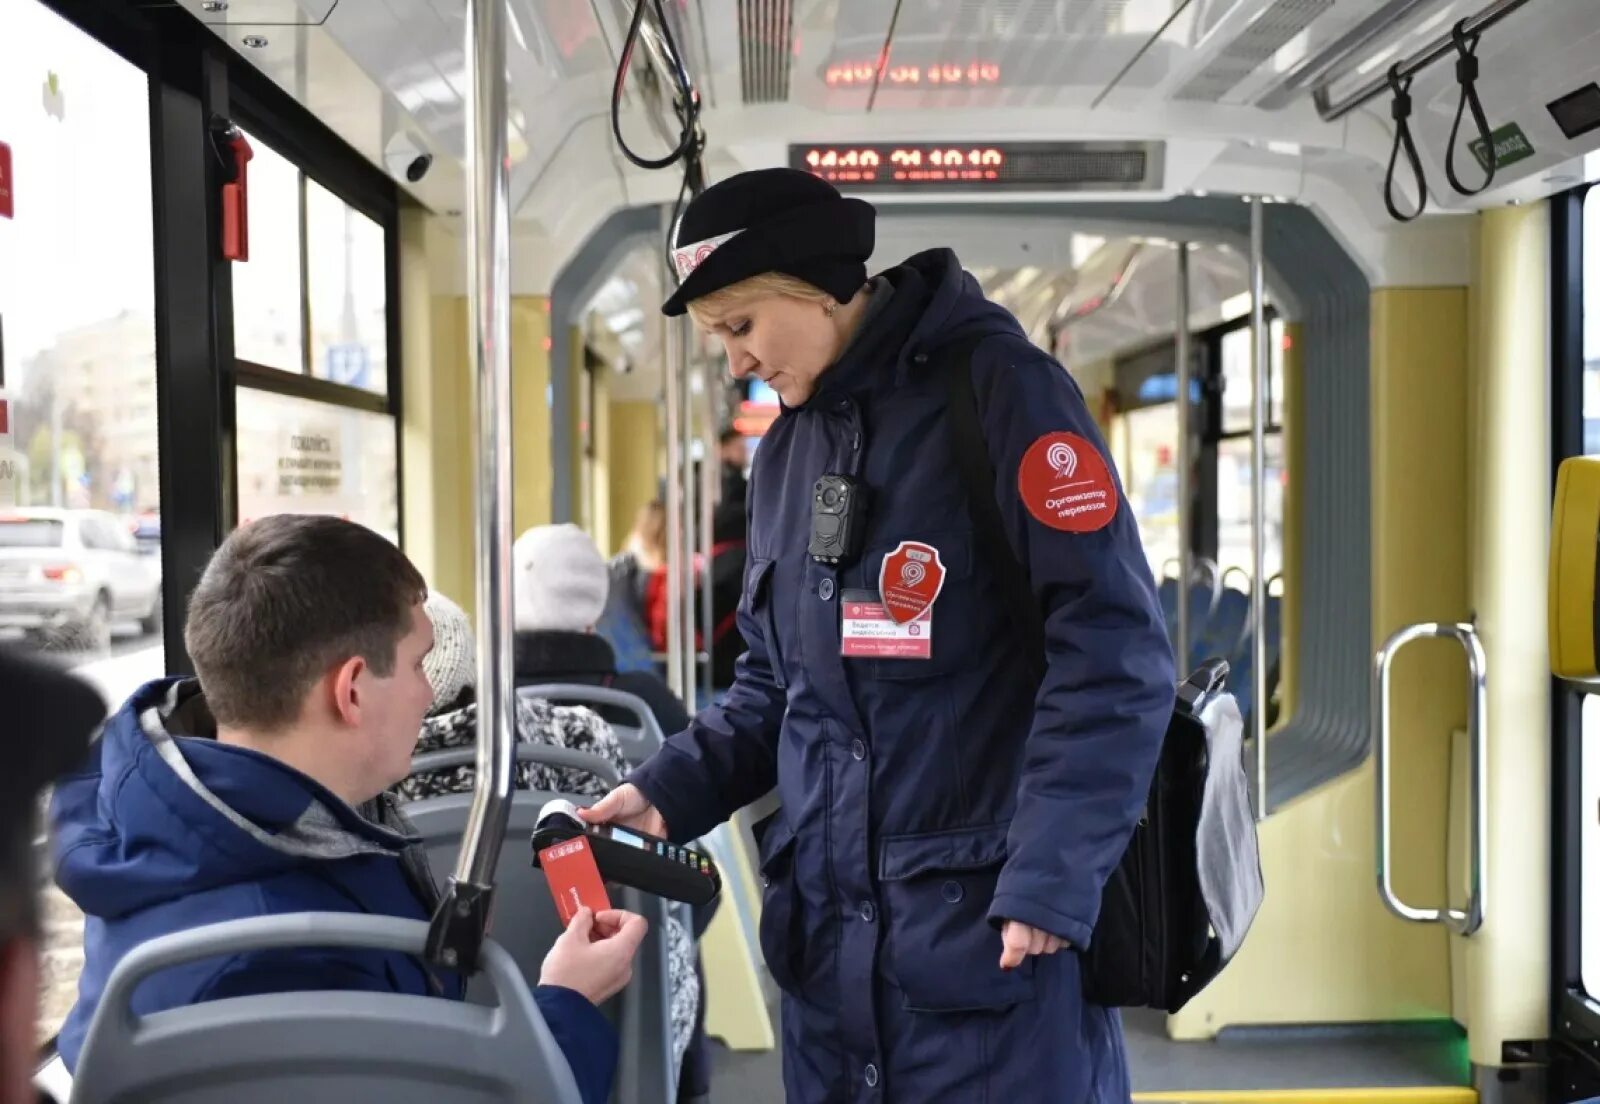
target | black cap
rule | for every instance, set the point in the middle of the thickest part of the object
(49, 718)
(771, 220)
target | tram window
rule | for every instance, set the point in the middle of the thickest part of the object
(1233, 504)
(1236, 391)
(267, 326)
(297, 456)
(1150, 480)
(1589, 942)
(80, 496)
(347, 293)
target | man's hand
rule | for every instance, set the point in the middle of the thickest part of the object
(1021, 941)
(627, 806)
(594, 956)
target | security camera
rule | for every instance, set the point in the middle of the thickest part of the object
(419, 167)
(623, 366)
(405, 157)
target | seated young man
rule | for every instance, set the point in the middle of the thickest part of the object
(258, 789)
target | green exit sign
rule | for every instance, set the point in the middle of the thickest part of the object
(1510, 146)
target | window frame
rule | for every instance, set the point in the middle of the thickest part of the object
(1574, 1012)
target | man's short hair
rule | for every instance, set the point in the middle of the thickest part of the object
(285, 599)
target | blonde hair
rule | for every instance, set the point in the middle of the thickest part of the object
(648, 541)
(718, 304)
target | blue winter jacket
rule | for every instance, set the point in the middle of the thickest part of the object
(165, 829)
(925, 801)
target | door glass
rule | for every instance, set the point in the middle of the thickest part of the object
(302, 457)
(268, 326)
(1589, 934)
(78, 437)
(1150, 480)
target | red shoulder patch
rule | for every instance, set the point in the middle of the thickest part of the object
(1064, 482)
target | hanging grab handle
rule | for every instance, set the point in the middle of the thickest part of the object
(1467, 76)
(1401, 111)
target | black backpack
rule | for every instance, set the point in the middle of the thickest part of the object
(1179, 903)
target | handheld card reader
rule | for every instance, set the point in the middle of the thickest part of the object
(632, 858)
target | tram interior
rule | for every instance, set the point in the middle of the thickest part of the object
(1116, 173)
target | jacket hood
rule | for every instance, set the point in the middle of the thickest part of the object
(163, 810)
(934, 302)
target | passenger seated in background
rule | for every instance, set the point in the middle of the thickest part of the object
(560, 586)
(258, 789)
(49, 716)
(452, 721)
(559, 590)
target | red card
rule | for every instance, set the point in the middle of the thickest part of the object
(910, 580)
(8, 201)
(1064, 482)
(574, 878)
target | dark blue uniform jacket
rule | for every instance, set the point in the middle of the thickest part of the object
(165, 828)
(927, 801)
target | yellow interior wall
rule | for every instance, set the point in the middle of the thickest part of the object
(531, 482)
(1323, 948)
(436, 428)
(1507, 963)
(634, 464)
(600, 463)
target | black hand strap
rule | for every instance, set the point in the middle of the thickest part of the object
(1403, 139)
(978, 481)
(1467, 76)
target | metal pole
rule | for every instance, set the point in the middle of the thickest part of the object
(710, 477)
(673, 387)
(691, 528)
(459, 925)
(1185, 461)
(1418, 61)
(1259, 360)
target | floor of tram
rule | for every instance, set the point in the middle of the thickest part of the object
(1385, 1062)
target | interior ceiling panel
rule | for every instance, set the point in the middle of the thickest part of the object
(262, 13)
(1254, 47)
(967, 54)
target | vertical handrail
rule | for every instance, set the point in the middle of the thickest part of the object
(710, 478)
(1259, 359)
(672, 387)
(1185, 460)
(1468, 920)
(458, 927)
(688, 619)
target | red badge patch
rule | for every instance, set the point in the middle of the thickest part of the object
(1064, 483)
(910, 580)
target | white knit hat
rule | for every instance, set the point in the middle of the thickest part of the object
(560, 581)
(452, 666)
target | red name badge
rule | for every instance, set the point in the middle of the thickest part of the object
(574, 878)
(910, 580)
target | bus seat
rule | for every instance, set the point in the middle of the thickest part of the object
(525, 924)
(1227, 626)
(638, 741)
(338, 1047)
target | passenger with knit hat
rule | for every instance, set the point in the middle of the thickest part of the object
(559, 588)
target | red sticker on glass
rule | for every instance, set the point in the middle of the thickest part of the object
(8, 202)
(1064, 483)
(910, 580)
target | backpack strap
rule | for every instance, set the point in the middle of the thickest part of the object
(978, 480)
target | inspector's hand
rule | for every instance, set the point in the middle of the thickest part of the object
(594, 956)
(1021, 941)
(627, 806)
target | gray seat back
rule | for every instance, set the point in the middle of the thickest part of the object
(525, 923)
(330, 1048)
(638, 742)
